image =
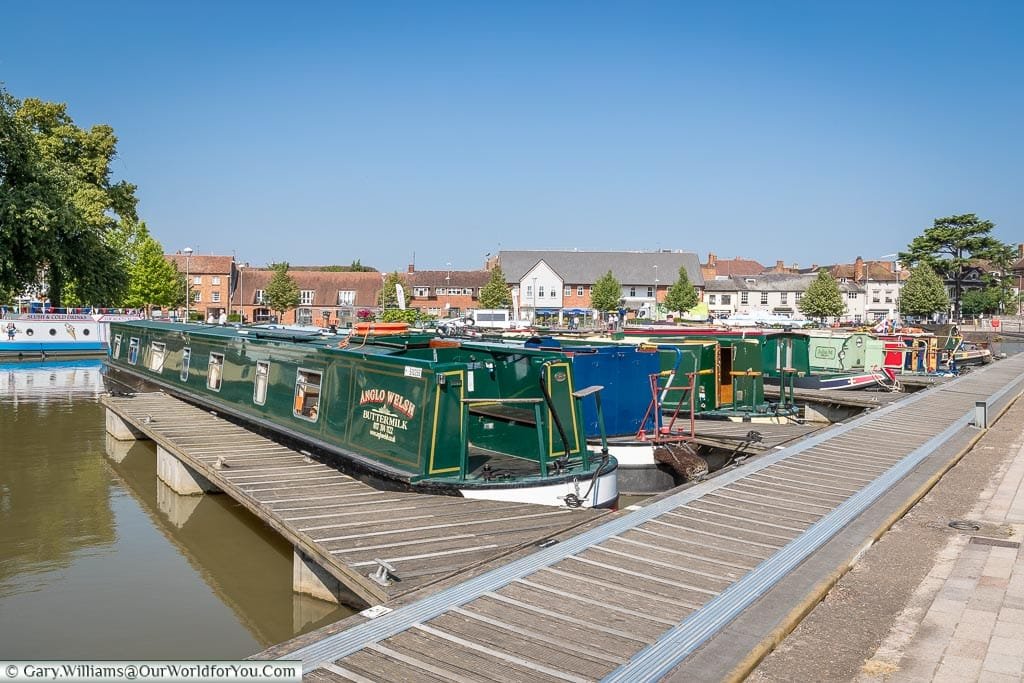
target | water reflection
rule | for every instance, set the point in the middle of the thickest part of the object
(99, 560)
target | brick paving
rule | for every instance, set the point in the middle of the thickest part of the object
(973, 628)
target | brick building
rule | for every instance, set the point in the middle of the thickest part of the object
(326, 298)
(212, 282)
(445, 293)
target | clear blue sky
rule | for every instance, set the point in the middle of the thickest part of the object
(322, 132)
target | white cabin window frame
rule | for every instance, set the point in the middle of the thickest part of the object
(215, 372)
(133, 350)
(261, 382)
(157, 357)
(186, 362)
(306, 403)
(115, 350)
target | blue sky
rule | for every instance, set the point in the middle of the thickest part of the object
(322, 132)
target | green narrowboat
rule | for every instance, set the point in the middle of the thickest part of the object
(457, 417)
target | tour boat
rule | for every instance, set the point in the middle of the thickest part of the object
(458, 417)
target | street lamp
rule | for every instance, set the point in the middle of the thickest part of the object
(187, 251)
(654, 309)
(448, 291)
(534, 299)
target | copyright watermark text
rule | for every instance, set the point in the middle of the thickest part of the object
(158, 672)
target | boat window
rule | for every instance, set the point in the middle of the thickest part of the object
(133, 351)
(307, 395)
(157, 351)
(259, 392)
(53, 332)
(216, 371)
(186, 360)
(117, 346)
(86, 331)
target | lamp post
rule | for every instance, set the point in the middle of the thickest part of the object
(534, 299)
(654, 309)
(187, 251)
(447, 290)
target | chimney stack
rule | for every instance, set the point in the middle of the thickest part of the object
(780, 267)
(412, 268)
(712, 260)
(858, 270)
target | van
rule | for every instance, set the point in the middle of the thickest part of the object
(494, 318)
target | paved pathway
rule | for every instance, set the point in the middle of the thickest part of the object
(973, 627)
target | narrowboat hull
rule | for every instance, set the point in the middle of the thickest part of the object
(408, 414)
(57, 336)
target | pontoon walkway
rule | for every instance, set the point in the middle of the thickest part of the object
(646, 592)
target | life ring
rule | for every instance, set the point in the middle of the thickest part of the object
(995, 323)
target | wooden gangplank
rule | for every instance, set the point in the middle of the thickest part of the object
(860, 398)
(634, 596)
(343, 524)
(726, 434)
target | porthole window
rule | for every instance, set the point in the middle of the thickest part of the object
(53, 332)
(85, 332)
(30, 332)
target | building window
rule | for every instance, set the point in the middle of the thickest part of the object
(784, 297)
(259, 390)
(260, 294)
(215, 297)
(306, 296)
(568, 291)
(540, 291)
(875, 299)
(304, 316)
(307, 395)
(157, 352)
(726, 299)
(117, 346)
(215, 280)
(197, 280)
(579, 291)
(650, 292)
(632, 291)
(186, 361)
(712, 299)
(347, 297)
(799, 295)
(764, 298)
(133, 351)
(197, 297)
(851, 295)
(529, 291)
(554, 293)
(417, 291)
(440, 291)
(744, 298)
(215, 377)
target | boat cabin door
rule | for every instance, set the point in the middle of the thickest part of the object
(725, 356)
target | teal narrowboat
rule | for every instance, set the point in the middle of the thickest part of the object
(435, 415)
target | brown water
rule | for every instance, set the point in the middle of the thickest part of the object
(100, 560)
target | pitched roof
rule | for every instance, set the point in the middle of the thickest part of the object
(325, 285)
(201, 265)
(772, 282)
(587, 267)
(444, 278)
(736, 266)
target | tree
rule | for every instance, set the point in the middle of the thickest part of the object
(607, 293)
(73, 242)
(992, 299)
(923, 293)
(951, 245)
(282, 291)
(496, 293)
(152, 279)
(681, 296)
(388, 297)
(822, 298)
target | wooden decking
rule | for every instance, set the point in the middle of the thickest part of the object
(629, 599)
(340, 522)
(728, 435)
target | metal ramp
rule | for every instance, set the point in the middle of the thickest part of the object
(630, 599)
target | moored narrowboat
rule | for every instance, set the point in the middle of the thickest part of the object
(433, 415)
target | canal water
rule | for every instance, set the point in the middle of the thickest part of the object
(100, 560)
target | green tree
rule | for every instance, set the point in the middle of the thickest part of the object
(282, 291)
(74, 242)
(923, 293)
(989, 300)
(682, 296)
(496, 293)
(152, 279)
(823, 298)
(388, 297)
(607, 293)
(951, 245)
